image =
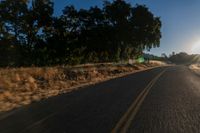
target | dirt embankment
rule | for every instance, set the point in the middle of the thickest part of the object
(21, 86)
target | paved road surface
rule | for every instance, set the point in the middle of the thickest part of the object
(161, 100)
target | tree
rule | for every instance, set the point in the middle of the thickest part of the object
(38, 18)
(12, 19)
(146, 28)
(118, 14)
(12, 34)
(163, 55)
(180, 58)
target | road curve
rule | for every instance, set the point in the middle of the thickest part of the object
(165, 99)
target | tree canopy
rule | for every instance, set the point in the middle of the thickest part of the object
(31, 35)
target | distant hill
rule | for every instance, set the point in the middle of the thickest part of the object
(184, 58)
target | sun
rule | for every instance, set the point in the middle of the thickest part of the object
(196, 48)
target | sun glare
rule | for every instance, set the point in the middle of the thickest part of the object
(196, 48)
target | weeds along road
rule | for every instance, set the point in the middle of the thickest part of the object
(165, 99)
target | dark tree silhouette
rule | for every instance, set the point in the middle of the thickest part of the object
(118, 31)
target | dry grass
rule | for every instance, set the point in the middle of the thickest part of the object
(21, 86)
(195, 68)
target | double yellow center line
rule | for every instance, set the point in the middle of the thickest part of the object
(125, 122)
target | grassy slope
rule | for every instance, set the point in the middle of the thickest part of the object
(21, 86)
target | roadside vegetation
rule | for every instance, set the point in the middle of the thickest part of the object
(22, 86)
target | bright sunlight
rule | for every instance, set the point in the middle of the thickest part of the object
(196, 48)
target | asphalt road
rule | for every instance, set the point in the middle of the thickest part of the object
(160, 100)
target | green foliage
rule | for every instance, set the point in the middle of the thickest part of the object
(116, 32)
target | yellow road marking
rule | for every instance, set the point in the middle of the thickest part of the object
(124, 123)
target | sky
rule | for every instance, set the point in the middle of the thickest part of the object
(180, 22)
